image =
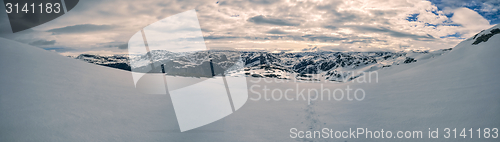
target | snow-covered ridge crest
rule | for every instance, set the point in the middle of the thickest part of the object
(485, 35)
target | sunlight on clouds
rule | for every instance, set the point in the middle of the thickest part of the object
(288, 25)
(384, 17)
(469, 19)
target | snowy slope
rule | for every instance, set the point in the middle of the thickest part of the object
(456, 90)
(48, 97)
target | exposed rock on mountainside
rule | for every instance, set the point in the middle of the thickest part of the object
(485, 36)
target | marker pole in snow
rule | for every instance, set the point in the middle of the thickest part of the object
(212, 68)
(163, 68)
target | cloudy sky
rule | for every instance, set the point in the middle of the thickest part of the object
(105, 26)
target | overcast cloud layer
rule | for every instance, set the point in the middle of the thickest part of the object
(104, 27)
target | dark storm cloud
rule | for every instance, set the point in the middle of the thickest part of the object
(43, 42)
(331, 27)
(263, 2)
(59, 49)
(322, 38)
(211, 37)
(390, 32)
(119, 45)
(80, 29)
(282, 37)
(276, 31)
(206, 30)
(123, 46)
(272, 21)
(244, 2)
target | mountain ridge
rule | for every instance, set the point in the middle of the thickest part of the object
(332, 66)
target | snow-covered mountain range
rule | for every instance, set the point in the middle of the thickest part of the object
(308, 66)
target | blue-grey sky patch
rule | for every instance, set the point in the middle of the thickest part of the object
(413, 17)
(489, 9)
(455, 35)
